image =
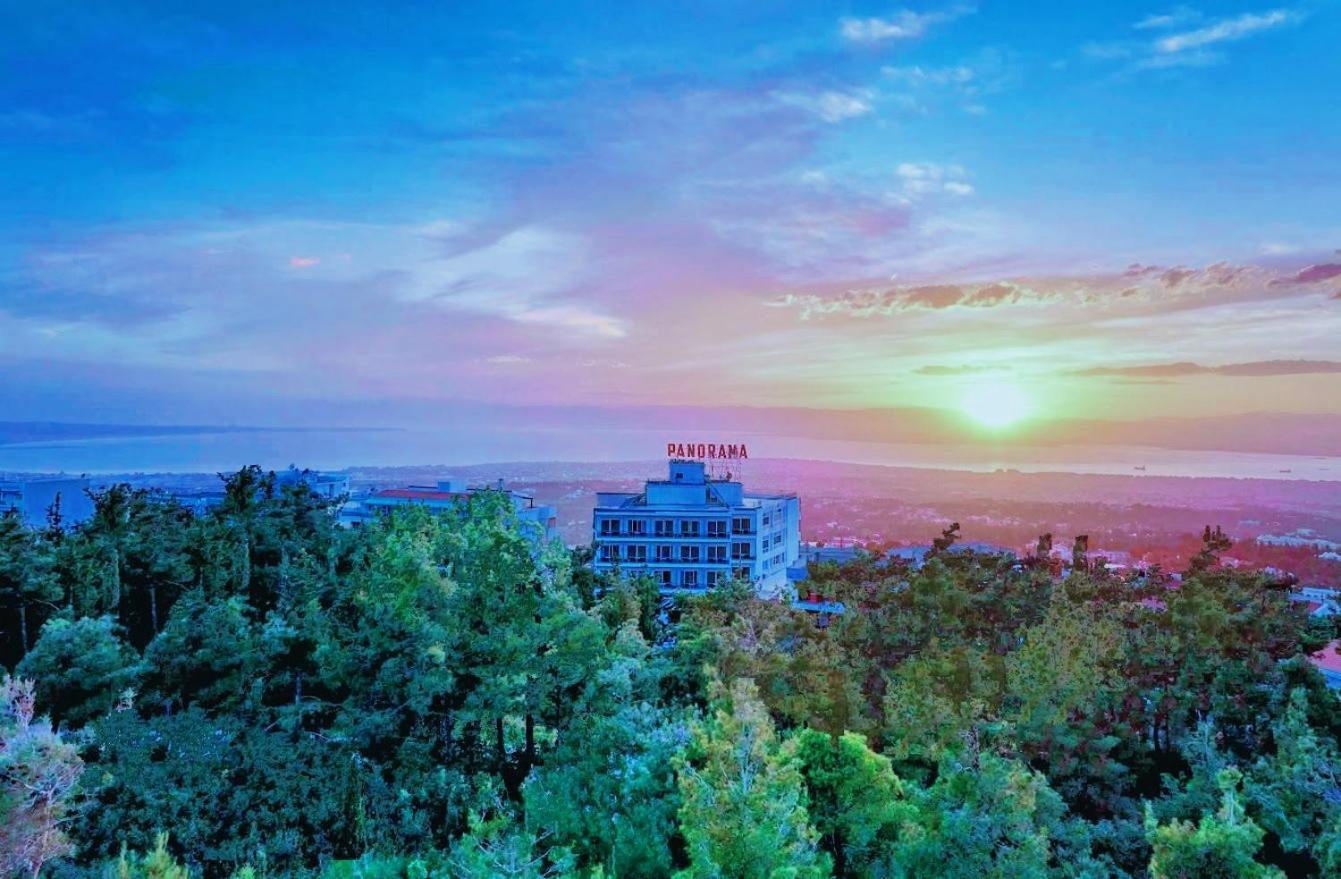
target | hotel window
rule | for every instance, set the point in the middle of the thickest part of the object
(637, 527)
(717, 528)
(689, 553)
(638, 552)
(717, 554)
(663, 553)
(741, 573)
(768, 520)
(689, 528)
(741, 551)
(714, 577)
(609, 526)
(664, 577)
(741, 526)
(689, 578)
(665, 527)
(609, 553)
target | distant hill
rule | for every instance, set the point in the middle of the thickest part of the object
(13, 432)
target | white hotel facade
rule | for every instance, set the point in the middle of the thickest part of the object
(691, 531)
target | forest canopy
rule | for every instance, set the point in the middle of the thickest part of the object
(256, 692)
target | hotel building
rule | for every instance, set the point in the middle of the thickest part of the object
(693, 531)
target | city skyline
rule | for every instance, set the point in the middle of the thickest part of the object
(246, 214)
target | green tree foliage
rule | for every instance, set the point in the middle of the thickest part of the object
(857, 804)
(81, 667)
(990, 818)
(744, 811)
(1218, 846)
(154, 864)
(437, 695)
(28, 589)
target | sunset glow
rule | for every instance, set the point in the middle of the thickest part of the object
(500, 208)
(996, 404)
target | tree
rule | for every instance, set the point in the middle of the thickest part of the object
(608, 789)
(1219, 846)
(27, 586)
(38, 775)
(854, 799)
(154, 864)
(991, 818)
(1213, 543)
(80, 669)
(744, 813)
(1294, 791)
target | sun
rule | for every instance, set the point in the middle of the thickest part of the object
(995, 404)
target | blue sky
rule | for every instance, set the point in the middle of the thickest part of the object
(205, 204)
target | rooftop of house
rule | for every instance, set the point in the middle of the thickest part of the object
(1328, 658)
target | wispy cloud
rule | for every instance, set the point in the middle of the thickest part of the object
(966, 84)
(1311, 274)
(1225, 30)
(1253, 369)
(903, 24)
(965, 369)
(1186, 39)
(832, 105)
(926, 178)
(1176, 17)
(1145, 290)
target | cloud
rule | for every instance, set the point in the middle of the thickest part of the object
(1311, 274)
(874, 302)
(993, 294)
(831, 106)
(1178, 17)
(926, 178)
(1254, 369)
(901, 25)
(1222, 31)
(1174, 277)
(1138, 292)
(303, 262)
(952, 370)
(1180, 44)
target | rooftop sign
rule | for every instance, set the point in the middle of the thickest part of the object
(708, 451)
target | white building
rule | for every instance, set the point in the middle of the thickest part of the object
(692, 531)
(31, 497)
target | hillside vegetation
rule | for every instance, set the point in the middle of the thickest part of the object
(256, 692)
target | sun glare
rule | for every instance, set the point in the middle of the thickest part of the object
(995, 405)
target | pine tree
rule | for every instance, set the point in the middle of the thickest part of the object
(744, 813)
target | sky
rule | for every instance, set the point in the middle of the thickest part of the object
(317, 213)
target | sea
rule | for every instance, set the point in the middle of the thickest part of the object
(322, 449)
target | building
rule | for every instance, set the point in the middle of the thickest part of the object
(31, 497)
(819, 554)
(539, 522)
(1328, 662)
(1320, 600)
(323, 484)
(693, 531)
